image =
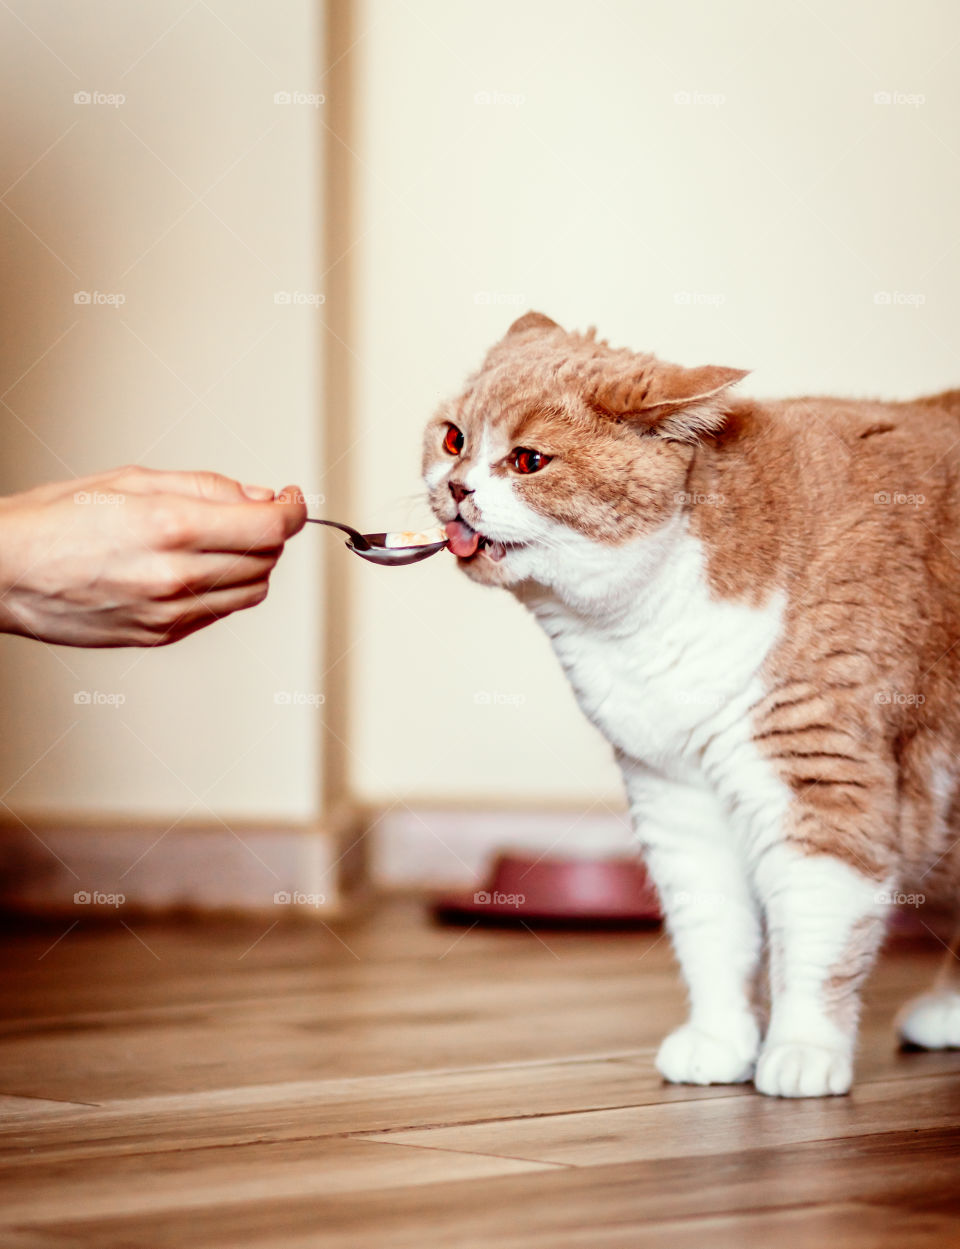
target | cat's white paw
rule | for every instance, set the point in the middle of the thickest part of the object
(691, 1055)
(800, 1070)
(931, 1021)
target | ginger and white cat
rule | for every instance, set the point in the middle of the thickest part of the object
(758, 604)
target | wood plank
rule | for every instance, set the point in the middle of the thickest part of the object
(17, 1109)
(335, 1107)
(211, 1012)
(201, 1018)
(428, 1098)
(20, 1238)
(151, 1184)
(849, 1226)
(414, 1086)
(700, 1128)
(607, 1206)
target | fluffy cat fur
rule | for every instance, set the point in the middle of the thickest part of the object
(758, 604)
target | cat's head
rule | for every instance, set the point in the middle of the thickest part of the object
(562, 450)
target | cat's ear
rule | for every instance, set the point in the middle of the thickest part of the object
(532, 321)
(687, 403)
(667, 399)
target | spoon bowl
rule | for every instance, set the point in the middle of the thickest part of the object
(373, 546)
(377, 551)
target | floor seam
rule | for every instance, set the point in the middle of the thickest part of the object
(469, 1153)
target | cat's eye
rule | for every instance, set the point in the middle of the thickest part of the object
(453, 440)
(526, 460)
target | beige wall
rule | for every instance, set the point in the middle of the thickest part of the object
(715, 182)
(196, 199)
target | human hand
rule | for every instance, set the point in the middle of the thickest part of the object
(137, 557)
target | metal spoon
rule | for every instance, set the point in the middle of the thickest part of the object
(373, 546)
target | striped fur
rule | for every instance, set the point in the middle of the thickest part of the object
(759, 605)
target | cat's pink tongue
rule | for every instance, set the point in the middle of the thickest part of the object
(463, 540)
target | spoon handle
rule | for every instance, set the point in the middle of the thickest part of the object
(359, 540)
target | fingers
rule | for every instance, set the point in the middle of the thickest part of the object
(212, 487)
(175, 576)
(176, 523)
(263, 528)
(205, 512)
(253, 527)
(218, 603)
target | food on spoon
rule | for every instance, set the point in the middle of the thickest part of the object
(410, 537)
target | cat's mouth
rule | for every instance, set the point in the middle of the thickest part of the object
(466, 543)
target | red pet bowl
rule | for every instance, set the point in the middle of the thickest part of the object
(560, 893)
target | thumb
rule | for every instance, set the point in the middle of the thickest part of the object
(295, 506)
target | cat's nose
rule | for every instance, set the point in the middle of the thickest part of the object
(459, 491)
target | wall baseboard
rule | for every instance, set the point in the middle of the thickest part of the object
(449, 846)
(85, 866)
(73, 866)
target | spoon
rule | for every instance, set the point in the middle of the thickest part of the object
(373, 546)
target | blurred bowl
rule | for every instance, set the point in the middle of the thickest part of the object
(557, 892)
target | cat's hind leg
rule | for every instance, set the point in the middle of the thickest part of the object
(932, 1020)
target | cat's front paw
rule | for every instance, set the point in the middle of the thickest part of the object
(800, 1070)
(931, 1021)
(692, 1055)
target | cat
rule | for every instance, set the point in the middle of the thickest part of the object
(758, 605)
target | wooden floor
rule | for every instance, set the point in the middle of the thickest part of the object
(393, 1084)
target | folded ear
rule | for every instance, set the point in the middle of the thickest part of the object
(532, 321)
(674, 402)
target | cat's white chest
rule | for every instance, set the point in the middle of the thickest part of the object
(673, 673)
